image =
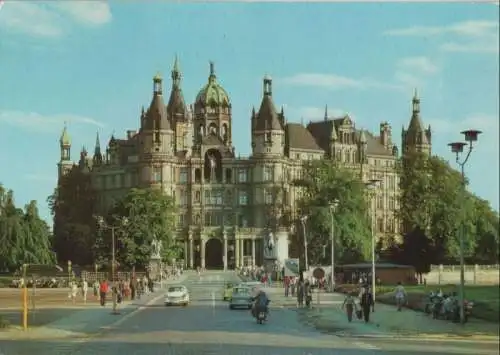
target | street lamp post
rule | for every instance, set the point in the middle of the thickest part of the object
(372, 185)
(303, 219)
(470, 136)
(102, 224)
(333, 207)
(69, 274)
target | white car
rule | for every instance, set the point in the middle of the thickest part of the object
(177, 295)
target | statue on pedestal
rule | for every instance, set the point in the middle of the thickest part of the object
(156, 247)
(213, 165)
(270, 246)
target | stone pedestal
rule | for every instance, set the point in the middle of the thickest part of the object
(155, 268)
(281, 246)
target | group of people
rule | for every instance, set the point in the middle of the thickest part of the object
(367, 302)
(122, 289)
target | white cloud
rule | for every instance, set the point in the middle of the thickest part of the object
(334, 82)
(474, 36)
(86, 12)
(52, 19)
(470, 28)
(44, 123)
(470, 48)
(414, 71)
(421, 64)
(31, 19)
(483, 122)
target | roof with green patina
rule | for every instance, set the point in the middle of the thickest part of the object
(212, 93)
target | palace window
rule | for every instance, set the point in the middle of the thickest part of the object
(242, 175)
(228, 198)
(392, 203)
(157, 174)
(268, 173)
(268, 197)
(181, 220)
(183, 200)
(243, 198)
(183, 175)
(380, 202)
(380, 225)
(229, 219)
(213, 197)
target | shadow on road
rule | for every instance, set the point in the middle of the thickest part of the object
(172, 348)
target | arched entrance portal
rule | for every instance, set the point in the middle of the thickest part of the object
(213, 254)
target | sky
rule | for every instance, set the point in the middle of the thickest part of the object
(91, 64)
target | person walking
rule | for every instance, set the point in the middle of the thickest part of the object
(349, 305)
(367, 303)
(400, 295)
(85, 290)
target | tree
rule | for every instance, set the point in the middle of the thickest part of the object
(24, 237)
(149, 215)
(486, 222)
(323, 183)
(73, 206)
(436, 209)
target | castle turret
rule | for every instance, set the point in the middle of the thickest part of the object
(268, 134)
(65, 164)
(416, 137)
(212, 114)
(97, 158)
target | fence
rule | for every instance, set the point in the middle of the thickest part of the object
(474, 274)
(92, 276)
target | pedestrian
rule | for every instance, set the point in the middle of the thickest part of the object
(85, 289)
(400, 294)
(367, 303)
(349, 305)
(103, 290)
(73, 291)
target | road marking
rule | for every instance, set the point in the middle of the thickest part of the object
(365, 346)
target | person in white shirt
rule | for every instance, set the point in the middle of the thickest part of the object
(400, 295)
(85, 289)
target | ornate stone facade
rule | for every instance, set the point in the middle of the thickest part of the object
(228, 205)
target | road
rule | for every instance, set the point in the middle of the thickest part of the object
(208, 327)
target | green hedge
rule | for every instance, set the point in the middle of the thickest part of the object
(4, 323)
(5, 281)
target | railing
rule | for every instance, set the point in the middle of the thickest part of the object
(454, 268)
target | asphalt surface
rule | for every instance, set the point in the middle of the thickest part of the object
(208, 327)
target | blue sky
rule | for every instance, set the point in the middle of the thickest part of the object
(92, 63)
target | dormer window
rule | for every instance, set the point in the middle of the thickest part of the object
(268, 137)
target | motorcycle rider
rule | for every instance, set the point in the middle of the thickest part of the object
(261, 303)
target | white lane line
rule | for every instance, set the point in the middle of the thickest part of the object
(365, 346)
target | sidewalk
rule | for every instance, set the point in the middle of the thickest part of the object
(386, 321)
(88, 322)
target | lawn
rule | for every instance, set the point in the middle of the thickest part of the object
(486, 298)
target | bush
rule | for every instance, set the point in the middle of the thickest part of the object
(4, 323)
(355, 288)
(5, 281)
(416, 301)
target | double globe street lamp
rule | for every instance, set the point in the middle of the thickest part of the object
(120, 223)
(333, 208)
(458, 148)
(372, 185)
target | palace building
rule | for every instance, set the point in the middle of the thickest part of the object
(228, 205)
